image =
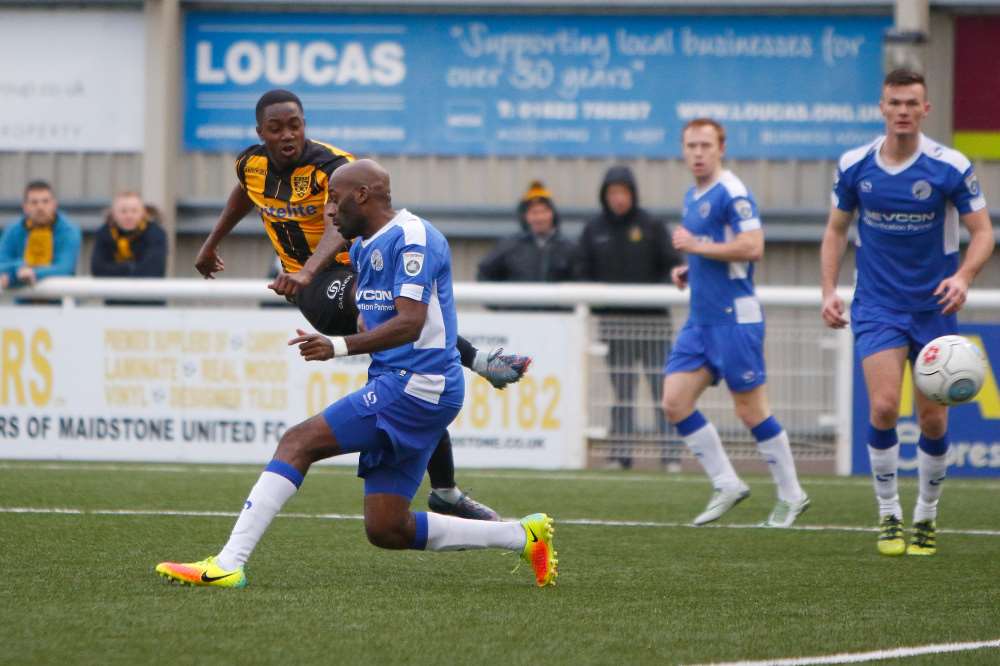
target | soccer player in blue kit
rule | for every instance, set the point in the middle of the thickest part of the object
(415, 389)
(910, 193)
(723, 337)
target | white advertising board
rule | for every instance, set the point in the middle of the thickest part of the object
(221, 385)
(71, 80)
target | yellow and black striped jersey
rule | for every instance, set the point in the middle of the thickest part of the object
(291, 203)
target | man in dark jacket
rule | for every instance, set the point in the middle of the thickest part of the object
(624, 244)
(130, 244)
(538, 253)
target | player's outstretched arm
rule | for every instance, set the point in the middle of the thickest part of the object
(954, 290)
(401, 329)
(208, 262)
(289, 284)
(831, 253)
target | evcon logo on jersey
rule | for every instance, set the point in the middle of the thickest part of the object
(374, 295)
(879, 216)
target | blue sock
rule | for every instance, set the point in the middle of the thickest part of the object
(766, 429)
(933, 447)
(882, 439)
(420, 537)
(695, 421)
(282, 468)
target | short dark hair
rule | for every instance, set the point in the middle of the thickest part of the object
(36, 185)
(276, 96)
(904, 77)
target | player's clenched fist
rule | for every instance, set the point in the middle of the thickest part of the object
(679, 276)
(683, 240)
(313, 346)
(208, 262)
(833, 311)
(289, 284)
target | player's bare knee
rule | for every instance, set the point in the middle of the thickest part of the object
(750, 415)
(933, 421)
(884, 410)
(676, 407)
(386, 533)
(292, 445)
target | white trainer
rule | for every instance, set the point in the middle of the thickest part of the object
(722, 501)
(785, 513)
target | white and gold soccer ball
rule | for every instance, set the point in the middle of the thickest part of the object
(949, 370)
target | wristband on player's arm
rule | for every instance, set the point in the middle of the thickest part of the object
(339, 346)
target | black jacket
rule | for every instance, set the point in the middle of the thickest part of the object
(521, 259)
(149, 250)
(634, 248)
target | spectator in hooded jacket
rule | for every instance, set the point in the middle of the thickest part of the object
(42, 243)
(538, 253)
(131, 243)
(625, 244)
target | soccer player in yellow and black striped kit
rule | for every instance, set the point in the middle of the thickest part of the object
(285, 177)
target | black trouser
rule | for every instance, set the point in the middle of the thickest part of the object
(625, 349)
(328, 301)
(622, 356)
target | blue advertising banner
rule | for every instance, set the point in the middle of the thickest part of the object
(785, 87)
(973, 428)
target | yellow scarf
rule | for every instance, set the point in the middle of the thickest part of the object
(39, 245)
(123, 240)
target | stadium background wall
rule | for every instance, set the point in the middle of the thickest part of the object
(471, 198)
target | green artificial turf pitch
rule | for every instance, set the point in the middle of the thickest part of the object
(80, 588)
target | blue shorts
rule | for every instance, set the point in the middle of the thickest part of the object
(877, 328)
(395, 433)
(734, 352)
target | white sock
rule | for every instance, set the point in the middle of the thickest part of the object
(885, 473)
(266, 498)
(453, 533)
(450, 495)
(931, 470)
(707, 447)
(778, 454)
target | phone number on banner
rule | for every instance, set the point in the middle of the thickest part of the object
(531, 404)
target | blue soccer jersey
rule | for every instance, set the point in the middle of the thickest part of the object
(409, 258)
(907, 220)
(721, 291)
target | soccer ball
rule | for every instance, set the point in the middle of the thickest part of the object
(949, 370)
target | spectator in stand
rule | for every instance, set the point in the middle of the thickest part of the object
(42, 243)
(539, 252)
(131, 243)
(625, 244)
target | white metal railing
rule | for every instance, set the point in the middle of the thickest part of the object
(797, 339)
(466, 293)
(567, 294)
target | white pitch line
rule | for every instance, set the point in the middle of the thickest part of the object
(859, 657)
(586, 522)
(195, 468)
